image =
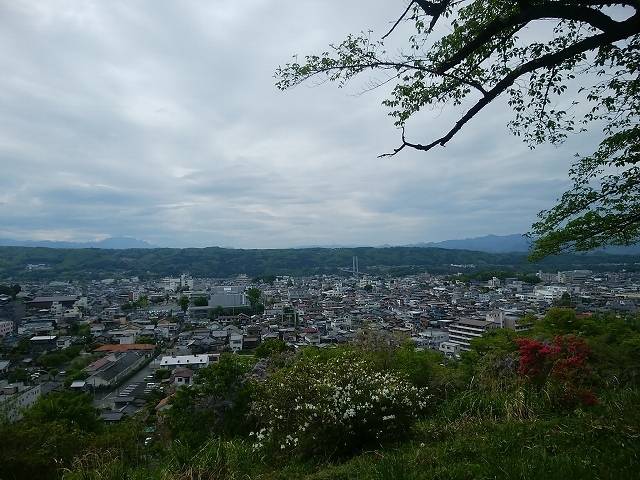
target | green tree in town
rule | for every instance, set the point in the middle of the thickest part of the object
(269, 347)
(217, 404)
(200, 301)
(161, 374)
(580, 74)
(184, 303)
(563, 301)
(12, 290)
(254, 295)
(72, 409)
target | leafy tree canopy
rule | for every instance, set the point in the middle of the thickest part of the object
(200, 301)
(580, 70)
(184, 303)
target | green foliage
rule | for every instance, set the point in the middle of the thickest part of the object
(72, 409)
(216, 405)
(200, 301)
(142, 302)
(184, 303)
(269, 347)
(23, 346)
(563, 301)
(18, 375)
(12, 290)
(38, 450)
(161, 373)
(254, 295)
(52, 432)
(559, 321)
(96, 263)
(149, 340)
(59, 358)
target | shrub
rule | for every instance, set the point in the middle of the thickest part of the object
(335, 405)
(269, 347)
(561, 366)
(217, 404)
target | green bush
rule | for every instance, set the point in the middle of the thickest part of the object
(269, 347)
(216, 405)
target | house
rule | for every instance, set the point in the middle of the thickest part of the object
(250, 342)
(64, 342)
(235, 342)
(78, 385)
(48, 302)
(43, 343)
(111, 417)
(450, 349)
(182, 376)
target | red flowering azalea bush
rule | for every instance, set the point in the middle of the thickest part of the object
(561, 366)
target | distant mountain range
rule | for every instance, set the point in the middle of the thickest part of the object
(112, 243)
(509, 243)
(488, 243)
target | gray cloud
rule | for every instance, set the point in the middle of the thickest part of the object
(159, 119)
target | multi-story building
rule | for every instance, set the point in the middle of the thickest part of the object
(228, 296)
(171, 284)
(549, 293)
(464, 331)
(6, 328)
(15, 398)
(508, 320)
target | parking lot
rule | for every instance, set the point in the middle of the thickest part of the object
(140, 389)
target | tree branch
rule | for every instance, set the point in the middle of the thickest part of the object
(399, 20)
(593, 17)
(434, 10)
(626, 28)
(395, 66)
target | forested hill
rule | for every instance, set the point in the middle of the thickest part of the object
(222, 262)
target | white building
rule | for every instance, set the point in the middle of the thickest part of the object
(191, 361)
(15, 398)
(450, 349)
(171, 284)
(464, 331)
(549, 293)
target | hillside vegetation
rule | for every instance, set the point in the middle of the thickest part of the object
(221, 262)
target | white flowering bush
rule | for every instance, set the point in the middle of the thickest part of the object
(334, 406)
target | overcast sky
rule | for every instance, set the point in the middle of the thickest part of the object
(159, 120)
